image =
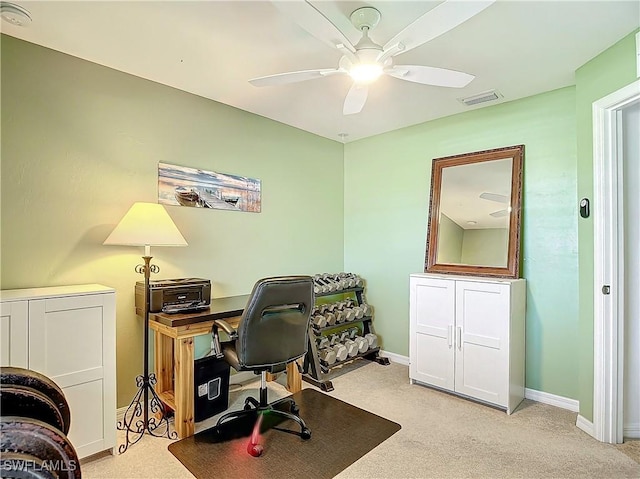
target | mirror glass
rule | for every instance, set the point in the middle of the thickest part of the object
(474, 221)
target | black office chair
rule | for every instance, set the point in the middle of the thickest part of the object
(272, 332)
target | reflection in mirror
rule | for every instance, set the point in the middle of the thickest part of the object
(474, 222)
(474, 214)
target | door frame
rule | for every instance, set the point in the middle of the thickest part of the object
(608, 259)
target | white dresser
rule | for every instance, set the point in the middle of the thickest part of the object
(467, 336)
(68, 333)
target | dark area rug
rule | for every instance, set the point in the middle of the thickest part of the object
(340, 435)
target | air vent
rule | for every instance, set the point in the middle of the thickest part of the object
(485, 96)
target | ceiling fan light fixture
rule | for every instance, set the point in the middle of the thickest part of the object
(366, 61)
(365, 73)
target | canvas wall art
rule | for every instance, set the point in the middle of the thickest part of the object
(184, 186)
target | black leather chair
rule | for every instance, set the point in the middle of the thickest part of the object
(272, 332)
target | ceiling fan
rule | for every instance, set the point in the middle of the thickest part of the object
(498, 199)
(366, 60)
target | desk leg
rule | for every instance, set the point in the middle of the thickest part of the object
(163, 360)
(294, 378)
(183, 379)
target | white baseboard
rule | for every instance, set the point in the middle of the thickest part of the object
(395, 358)
(585, 425)
(632, 431)
(539, 396)
(552, 399)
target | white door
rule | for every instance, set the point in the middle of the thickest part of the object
(614, 277)
(631, 191)
(65, 343)
(432, 350)
(14, 335)
(482, 333)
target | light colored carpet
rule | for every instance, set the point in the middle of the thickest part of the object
(631, 447)
(442, 436)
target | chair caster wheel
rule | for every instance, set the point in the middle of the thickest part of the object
(255, 450)
(306, 433)
(295, 409)
(247, 407)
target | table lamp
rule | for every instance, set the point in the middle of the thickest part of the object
(145, 224)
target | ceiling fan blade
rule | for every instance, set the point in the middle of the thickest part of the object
(499, 214)
(431, 75)
(293, 77)
(355, 100)
(495, 197)
(437, 21)
(313, 21)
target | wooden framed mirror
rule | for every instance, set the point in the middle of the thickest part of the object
(474, 213)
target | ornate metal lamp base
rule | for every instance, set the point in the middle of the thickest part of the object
(136, 420)
(133, 421)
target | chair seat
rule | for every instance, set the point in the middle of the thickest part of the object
(231, 357)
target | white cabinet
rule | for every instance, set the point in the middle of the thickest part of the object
(14, 334)
(467, 336)
(68, 334)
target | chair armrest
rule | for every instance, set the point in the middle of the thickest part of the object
(226, 327)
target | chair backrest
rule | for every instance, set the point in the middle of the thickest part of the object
(274, 326)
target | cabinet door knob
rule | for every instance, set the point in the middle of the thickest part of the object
(460, 338)
(450, 335)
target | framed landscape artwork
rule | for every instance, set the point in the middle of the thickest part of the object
(184, 186)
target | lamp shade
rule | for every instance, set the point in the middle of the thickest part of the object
(146, 224)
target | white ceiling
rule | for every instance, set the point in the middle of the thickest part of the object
(211, 48)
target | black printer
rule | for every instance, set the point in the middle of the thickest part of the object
(174, 294)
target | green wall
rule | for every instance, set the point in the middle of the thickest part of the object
(482, 247)
(605, 74)
(486, 247)
(387, 180)
(81, 143)
(450, 241)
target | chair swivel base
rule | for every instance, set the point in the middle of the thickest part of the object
(253, 407)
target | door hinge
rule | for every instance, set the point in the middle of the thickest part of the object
(606, 289)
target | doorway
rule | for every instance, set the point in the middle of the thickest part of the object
(616, 270)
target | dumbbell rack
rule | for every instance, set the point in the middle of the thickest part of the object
(317, 373)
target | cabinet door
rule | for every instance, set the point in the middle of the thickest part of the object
(67, 341)
(431, 346)
(482, 332)
(14, 325)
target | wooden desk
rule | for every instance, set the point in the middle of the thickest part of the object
(174, 356)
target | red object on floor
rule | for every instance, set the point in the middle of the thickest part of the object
(254, 448)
